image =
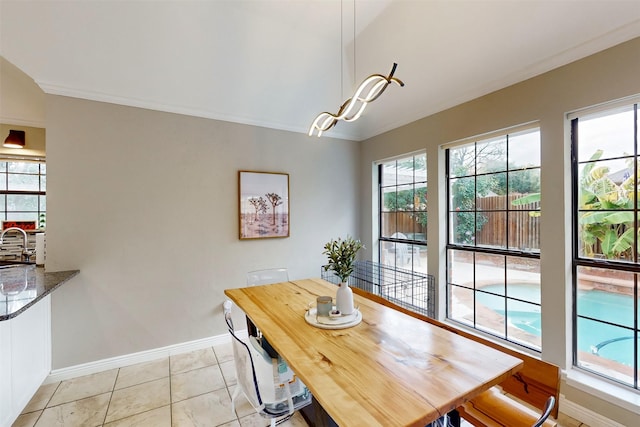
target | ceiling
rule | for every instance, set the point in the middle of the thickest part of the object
(278, 64)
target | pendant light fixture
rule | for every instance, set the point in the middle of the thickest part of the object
(15, 139)
(368, 91)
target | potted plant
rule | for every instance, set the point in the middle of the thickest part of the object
(341, 255)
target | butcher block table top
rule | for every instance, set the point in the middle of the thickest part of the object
(389, 370)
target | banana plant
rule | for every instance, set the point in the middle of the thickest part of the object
(607, 214)
(606, 219)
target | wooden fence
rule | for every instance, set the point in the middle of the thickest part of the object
(405, 223)
(523, 228)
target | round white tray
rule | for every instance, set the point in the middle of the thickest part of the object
(340, 322)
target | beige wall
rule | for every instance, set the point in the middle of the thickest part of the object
(606, 76)
(22, 107)
(145, 204)
(21, 99)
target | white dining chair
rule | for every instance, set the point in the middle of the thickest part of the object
(403, 257)
(271, 395)
(267, 276)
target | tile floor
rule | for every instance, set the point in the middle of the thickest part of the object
(190, 389)
(185, 390)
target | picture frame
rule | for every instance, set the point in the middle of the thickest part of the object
(263, 204)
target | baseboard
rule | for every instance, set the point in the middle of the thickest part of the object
(584, 415)
(140, 357)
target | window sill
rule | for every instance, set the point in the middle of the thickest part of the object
(496, 340)
(606, 390)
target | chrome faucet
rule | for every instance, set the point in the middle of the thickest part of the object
(25, 251)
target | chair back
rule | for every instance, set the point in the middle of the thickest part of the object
(269, 384)
(267, 276)
(401, 250)
(245, 371)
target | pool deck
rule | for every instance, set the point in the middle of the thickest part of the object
(607, 283)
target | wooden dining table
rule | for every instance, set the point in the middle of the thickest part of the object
(389, 370)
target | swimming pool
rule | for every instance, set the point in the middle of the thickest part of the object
(608, 341)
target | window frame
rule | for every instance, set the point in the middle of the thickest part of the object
(388, 240)
(474, 249)
(6, 193)
(578, 261)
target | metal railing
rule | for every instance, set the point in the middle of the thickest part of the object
(406, 288)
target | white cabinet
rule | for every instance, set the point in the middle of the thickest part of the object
(6, 412)
(25, 358)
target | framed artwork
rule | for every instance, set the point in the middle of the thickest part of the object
(264, 204)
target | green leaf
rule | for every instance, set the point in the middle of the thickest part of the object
(608, 242)
(595, 217)
(624, 242)
(587, 197)
(619, 218)
(529, 198)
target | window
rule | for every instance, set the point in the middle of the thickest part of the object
(493, 245)
(403, 213)
(23, 190)
(605, 247)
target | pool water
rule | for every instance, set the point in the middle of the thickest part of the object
(615, 343)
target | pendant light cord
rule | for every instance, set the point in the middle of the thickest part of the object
(341, 47)
(354, 43)
(368, 91)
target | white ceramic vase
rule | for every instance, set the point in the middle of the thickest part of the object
(344, 299)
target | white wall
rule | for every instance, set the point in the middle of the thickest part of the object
(145, 204)
(609, 75)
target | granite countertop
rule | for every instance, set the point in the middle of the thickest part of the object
(22, 286)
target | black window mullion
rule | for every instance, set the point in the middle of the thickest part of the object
(447, 177)
(475, 292)
(506, 212)
(6, 185)
(380, 209)
(635, 251)
(506, 299)
(575, 250)
(475, 201)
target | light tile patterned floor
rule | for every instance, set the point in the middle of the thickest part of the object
(187, 390)
(190, 389)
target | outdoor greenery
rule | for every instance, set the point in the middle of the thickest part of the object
(413, 200)
(490, 159)
(477, 170)
(341, 255)
(606, 220)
